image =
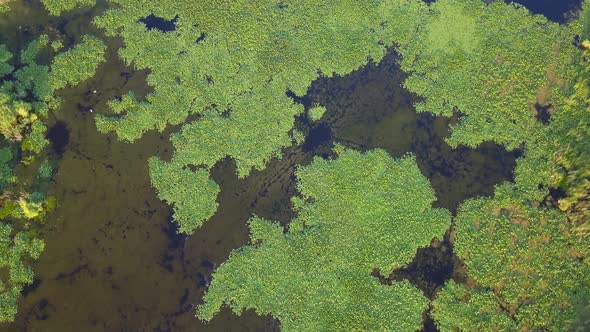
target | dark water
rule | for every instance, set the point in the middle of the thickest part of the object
(154, 22)
(555, 10)
(59, 136)
(113, 260)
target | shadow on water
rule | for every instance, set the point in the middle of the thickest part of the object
(59, 136)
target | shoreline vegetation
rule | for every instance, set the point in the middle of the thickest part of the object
(27, 99)
(230, 76)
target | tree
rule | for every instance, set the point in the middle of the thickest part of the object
(357, 213)
(473, 58)
(193, 194)
(15, 249)
(522, 263)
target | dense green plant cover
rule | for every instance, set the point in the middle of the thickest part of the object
(232, 63)
(571, 153)
(15, 249)
(6, 174)
(357, 213)
(491, 62)
(56, 7)
(4, 6)
(193, 194)
(526, 262)
(77, 64)
(457, 309)
(315, 113)
(522, 256)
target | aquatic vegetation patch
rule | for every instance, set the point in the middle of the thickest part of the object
(358, 212)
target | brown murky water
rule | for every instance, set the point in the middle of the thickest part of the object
(113, 260)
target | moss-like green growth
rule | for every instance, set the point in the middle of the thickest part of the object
(193, 194)
(360, 212)
(15, 249)
(4, 6)
(315, 113)
(6, 174)
(26, 96)
(56, 7)
(522, 256)
(457, 309)
(78, 64)
(491, 62)
(233, 63)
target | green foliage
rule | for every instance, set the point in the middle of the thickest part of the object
(457, 309)
(26, 95)
(523, 255)
(571, 152)
(15, 249)
(4, 6)
(473, 57)
(29, 55)
(232, 63)
(34, 78)
(15, 118)
(193, 194)
(56, 7)
(35, 206)
(77, 64)
(5, 56)
(246, 48)
(357, 213)
(6, 174)
(36, 140)
(246, 134)
(57, 45)
(316, 113)
(45, 170)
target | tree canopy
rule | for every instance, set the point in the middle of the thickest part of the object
(492, 63)
(357, 213)
(522, 262)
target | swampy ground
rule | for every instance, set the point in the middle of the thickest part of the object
(113, 260)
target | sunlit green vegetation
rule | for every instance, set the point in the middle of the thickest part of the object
(4, 6)
(315, 113)
(511, 77)
(193, 194)
(524, 250)
(232, 63)
(27, 95)
(357, 213)
(56, 7)
(521, 255)
(492, 63)
(15, 249)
